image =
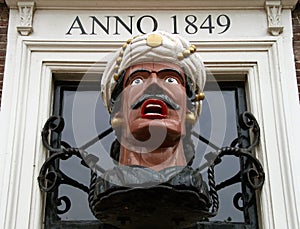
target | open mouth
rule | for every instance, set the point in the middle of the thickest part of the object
(154, 109)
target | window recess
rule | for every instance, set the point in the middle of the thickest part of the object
(80, 105)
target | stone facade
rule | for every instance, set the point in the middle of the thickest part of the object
(235, 40)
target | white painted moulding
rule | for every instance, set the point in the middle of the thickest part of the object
(152, 4)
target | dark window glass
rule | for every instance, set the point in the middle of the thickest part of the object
(85, 116)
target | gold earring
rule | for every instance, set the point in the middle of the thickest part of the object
(116, 122)
(190, 118)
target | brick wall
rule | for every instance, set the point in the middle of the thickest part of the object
(296, 30)
(3, 40)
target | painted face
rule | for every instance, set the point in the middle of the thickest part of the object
(154, 101)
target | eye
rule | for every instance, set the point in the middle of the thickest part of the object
(171, 80)
(137, 81)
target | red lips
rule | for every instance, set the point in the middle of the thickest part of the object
(154, 109)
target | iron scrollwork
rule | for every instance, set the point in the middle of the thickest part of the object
(251, 174)
(50, 176)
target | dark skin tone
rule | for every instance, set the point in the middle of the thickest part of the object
(153, 129)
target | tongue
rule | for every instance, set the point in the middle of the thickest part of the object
(154, 109)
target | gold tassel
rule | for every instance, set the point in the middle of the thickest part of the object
(200, 96)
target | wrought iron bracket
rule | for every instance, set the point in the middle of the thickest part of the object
(253, 175)
(50, 176)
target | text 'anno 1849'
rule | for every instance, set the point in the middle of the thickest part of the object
(117, 25)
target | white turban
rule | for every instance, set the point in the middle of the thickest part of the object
(157, 46)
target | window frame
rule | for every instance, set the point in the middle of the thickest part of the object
(26, 105)
(52, 219)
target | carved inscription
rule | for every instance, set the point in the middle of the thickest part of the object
(116, 25)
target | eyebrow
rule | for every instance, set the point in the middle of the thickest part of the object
(135, 71)
(150, 71)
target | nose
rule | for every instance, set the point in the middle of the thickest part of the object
(154, 88)
(153, 77)
(153, 84)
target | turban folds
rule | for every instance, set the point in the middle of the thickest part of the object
(157, 46)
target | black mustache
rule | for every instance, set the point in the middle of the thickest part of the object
(166, 99)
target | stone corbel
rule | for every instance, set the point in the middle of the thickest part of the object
(273, 10)
(26, 16)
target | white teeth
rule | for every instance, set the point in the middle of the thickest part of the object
(153, 105)
(153, 109)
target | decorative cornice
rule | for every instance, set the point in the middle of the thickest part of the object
(151, 4)
(273, 10)
(26, 16)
